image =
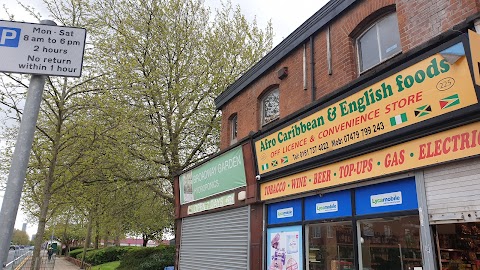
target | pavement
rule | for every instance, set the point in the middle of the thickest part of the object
(62, 264)
(56, 263)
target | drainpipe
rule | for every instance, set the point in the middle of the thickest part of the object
(312, 62)
(476, 23)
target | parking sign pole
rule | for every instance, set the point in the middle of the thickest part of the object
(21, 155)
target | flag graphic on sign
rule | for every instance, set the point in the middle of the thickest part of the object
(265, 167)
(398, 119)
(449, 101)
(284, 160)
(274, 163)
(422, 111)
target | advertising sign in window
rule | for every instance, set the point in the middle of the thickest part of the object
(285, 248)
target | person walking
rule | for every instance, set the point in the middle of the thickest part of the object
(50, 252)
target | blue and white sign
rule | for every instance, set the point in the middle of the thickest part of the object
(329, 205)
(41, 49)
(285, 212)
(386, 199)
(326, 207)
(399, 195)
(9, 37)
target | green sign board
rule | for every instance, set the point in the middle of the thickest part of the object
(212, 204)
(223, 173)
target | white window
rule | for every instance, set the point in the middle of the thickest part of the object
(233, 129)
(270, 106)
(380, 42)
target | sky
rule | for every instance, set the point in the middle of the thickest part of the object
(286, 16)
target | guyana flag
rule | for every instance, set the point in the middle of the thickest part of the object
(449, 101)
(422, 111)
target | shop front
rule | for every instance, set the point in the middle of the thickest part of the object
(213, 220)
(384, 178)
(377, 226)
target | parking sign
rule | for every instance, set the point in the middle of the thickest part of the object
(41, 49)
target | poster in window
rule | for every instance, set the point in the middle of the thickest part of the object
(284, 248)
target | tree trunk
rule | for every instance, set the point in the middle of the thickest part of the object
(87, 239)
(47, 193)
(42, 220)
(64, 240)
(97, 233)
(145, 240)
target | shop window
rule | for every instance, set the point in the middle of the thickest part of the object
(270, 106)
(330, 246)
(459, 246)
(233, 129)
(391, 243)
(379, 43)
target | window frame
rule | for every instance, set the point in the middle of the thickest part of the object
(262, 105)
(372, 25)
(233, 123)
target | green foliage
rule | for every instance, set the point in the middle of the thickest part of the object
(77, 253)
(107, 266)
(148, 258)
(20, 237)
(109, 254)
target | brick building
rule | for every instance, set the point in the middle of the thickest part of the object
(353, 144)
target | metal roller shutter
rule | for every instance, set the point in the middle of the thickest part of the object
(215, 241)
(452, 192)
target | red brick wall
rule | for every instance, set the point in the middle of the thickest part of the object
(344, 63)
(419, 21)
(422, 20)
(247, 104)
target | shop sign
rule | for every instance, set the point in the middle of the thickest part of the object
(428, 89)
(223, 173)
(386, 199)
(441, 147)
(212, 204)
(326, 207)
(285, 212)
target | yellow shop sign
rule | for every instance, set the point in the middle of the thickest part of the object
(438, 148)
(425, 90)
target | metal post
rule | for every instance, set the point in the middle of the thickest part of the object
(426, 239)
(21, 155)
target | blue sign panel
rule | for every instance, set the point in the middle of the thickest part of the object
(9, 37)
(330, 205)
(387, 197)
(284, 212)
(285, 248)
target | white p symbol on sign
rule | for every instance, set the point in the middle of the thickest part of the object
(9, 37)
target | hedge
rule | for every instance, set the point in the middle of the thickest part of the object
(77, 253)
(148, 258)
(105, 255)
